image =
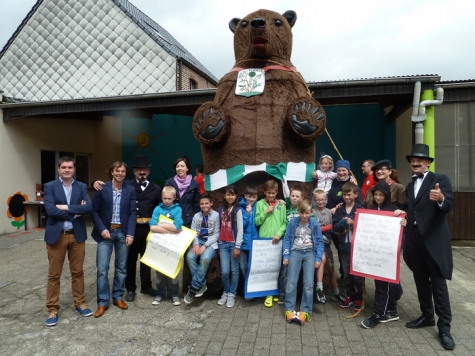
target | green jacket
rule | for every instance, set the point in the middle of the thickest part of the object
(270, 224)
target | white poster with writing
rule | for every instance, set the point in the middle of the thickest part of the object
(262, 277)
(165, 252)
(376, 245)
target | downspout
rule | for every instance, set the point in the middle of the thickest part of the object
(429, 124)
(419, 130)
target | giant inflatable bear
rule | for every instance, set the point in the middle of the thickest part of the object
(263, 118)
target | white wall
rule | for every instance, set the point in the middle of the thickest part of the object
(22, 140)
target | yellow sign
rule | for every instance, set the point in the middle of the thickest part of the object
(165, 252)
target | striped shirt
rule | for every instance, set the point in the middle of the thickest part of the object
(116, 205)
(68, 225)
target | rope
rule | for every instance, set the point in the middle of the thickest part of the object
(339, 154)
(362, 302)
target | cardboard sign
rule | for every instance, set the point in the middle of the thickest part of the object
(262, 277)
(165, 252)
(376, 244)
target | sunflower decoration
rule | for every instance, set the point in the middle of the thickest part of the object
(16, 209)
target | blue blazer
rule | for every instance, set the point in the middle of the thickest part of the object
(54, 194)
(102, 210)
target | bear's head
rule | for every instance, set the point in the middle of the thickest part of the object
(263, 34)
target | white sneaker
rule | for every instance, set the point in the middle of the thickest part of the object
(224, 299)
(201, 291)
(231, 300)
(176, 300)
(157, 300)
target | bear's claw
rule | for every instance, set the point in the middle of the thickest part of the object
(303, 127)
(306, 118)
(212, 131)
(209, 124)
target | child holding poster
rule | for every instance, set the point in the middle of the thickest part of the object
(248, 208)
(169, 208)
(271, 219)
(230, 240)
(303, 249)
(385, 301)
(343, 222)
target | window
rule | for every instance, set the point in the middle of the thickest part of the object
(193, 84)
(49, 169)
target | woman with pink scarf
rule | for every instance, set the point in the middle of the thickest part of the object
(187, 190)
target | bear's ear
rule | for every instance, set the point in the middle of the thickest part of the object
(291, 17)
(233, 23)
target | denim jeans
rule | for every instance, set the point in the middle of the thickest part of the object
(229, 267)
(244, 262)
(165, 283)
(103, 257)
(304, 259)
(199, 265)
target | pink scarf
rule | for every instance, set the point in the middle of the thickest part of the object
(182, 183)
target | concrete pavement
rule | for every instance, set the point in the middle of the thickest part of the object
(204, 328)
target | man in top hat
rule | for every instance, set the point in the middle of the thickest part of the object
(148, 197)
(427, 247)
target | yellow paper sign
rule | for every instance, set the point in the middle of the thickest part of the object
(165, 252)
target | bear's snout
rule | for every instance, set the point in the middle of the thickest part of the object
(258, 22)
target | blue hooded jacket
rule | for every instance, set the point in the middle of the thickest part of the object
(251, 232)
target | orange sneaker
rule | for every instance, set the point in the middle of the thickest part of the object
(290, 316)
(302, 317)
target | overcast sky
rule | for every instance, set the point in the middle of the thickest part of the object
(332, 39)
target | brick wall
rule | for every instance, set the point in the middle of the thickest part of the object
(200, 82)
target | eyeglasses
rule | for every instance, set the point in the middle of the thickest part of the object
(382, 169)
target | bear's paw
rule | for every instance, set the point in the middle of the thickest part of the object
(306, 119)
(210, 125)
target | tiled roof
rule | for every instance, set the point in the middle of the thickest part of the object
(377, 78)
(19, 28)
(161, 36)
(153, 29)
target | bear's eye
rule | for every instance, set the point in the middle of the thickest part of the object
(278, 23)
(244, 24)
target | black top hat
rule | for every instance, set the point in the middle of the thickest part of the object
(382, 163)
(420, 150)
(141, 162)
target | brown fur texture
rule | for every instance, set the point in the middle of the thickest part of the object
(262, 128)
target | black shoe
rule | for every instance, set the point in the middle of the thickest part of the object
(446, 340)
(149, 291)
(130, 297)
(371, 322)
(420, 322)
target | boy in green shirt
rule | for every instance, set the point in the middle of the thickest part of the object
(271, 217)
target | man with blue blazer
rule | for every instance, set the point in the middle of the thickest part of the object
(66, 201)
(113, 213)
(427, 246)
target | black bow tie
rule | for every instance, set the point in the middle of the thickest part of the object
(144, 184)
(420, 176)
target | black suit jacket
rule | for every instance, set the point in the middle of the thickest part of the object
(431, 220)
(148, 199)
